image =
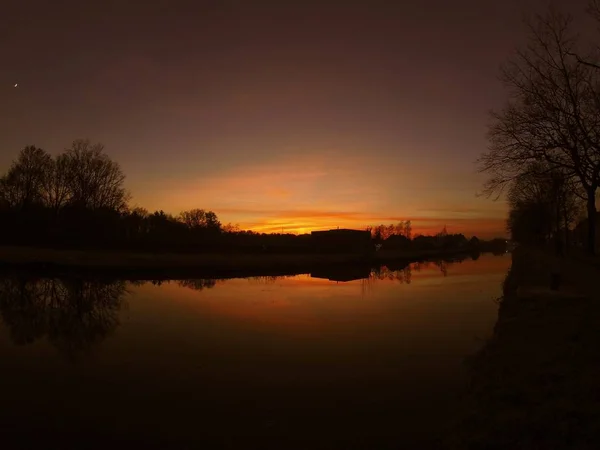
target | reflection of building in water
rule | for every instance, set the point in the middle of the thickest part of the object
(74, 315)
(342, 273)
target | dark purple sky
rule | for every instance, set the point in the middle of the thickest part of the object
(281, 114)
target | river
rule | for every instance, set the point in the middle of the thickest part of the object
(264, 362)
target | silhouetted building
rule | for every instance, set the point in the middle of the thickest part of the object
(342, 241)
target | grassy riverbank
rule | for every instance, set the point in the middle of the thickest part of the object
(172, 265)
(535, 385)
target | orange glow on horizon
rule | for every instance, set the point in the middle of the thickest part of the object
(480, 227)
(315, 191)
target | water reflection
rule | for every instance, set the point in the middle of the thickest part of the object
(269, 279)
(73, 314)
(342, 274)
(198, 284)
(268, 359)
(403, 275)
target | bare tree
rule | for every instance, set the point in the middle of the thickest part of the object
(212, 222)
(553, 114)
(23, 184)
(95, 181)
(56, 190)
(542, 203)
(590, 59)
(194, 218)
(231, 228)
(8, 193)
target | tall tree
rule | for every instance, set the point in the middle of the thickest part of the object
(194, 218)
(95, 181)
(553, 114)
(212, 222)
(542, 203)
(22, 186)
(56, 190)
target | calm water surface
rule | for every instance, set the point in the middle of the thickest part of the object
(264, 362)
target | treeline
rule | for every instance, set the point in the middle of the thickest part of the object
(77, 199)
(382, 232)
(399, 237)
(544, 206)
(544, 145)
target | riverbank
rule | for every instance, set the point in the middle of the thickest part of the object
(173, 265)
(535, 383)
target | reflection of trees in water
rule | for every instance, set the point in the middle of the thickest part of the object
(443, 266)
(74, 315)
(269, 279)
(475, 255)
(198, 283)
(403, 275)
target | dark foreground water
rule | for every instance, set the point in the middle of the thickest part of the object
(294, 362)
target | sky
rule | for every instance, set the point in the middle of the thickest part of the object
(293, 116)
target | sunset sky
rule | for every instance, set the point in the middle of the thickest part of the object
(295, 115)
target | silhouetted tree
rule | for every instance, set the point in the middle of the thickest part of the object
(212, 222)
(95, 181)
(194, 218)
(529, 222)
(553, 114)
(23, 185)
(407, 229)
(230, 228)
(78, 199)
(542, 203)
(56, 189)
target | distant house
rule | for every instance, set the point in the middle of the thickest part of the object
(342, 241)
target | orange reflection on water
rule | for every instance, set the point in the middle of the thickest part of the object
(304, 305)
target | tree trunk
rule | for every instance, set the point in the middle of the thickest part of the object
(566, 225)
(557, 237)
(591, 213)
